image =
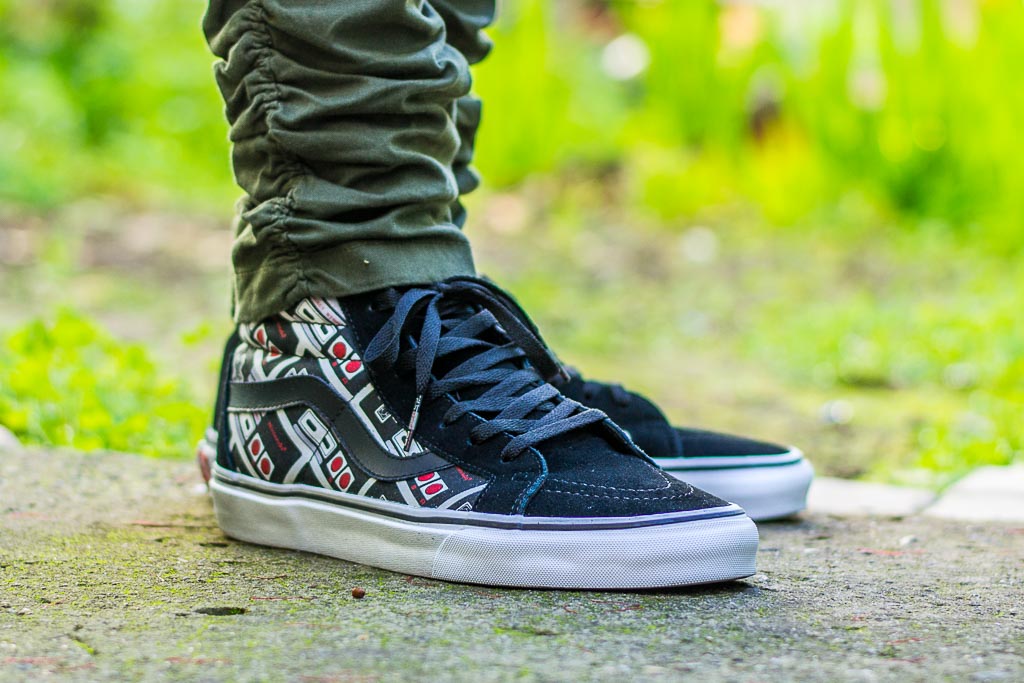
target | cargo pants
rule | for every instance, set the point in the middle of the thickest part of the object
(352, 129)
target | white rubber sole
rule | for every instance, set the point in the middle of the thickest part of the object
(766, 487)
(706, 549)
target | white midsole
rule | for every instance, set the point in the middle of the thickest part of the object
(676, 554)
(765, 492)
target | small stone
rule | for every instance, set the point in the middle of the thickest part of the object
(907, 540)
(652, 670)
(358, 593)
(23, 611)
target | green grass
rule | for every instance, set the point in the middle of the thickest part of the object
(66, 382)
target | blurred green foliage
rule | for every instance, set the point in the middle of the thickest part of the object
(109, 97)
(893, 123)
(68, 383)
(914, 105)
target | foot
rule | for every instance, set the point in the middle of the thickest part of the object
(767, 480)
(414, 430)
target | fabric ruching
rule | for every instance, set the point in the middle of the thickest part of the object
(344, 134)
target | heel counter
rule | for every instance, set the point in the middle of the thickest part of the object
(219, 421)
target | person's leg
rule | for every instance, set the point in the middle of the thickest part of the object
(343, 129)
(377, 403)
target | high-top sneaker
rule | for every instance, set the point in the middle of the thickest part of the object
(413, 430)
(767, 480)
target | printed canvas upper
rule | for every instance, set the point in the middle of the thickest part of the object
(296, 445)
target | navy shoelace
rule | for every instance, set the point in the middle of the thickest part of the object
(589, 388)
(462, 321)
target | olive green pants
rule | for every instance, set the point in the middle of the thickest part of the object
(352, 132)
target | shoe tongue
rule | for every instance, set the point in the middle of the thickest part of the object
(452, 313)
(642, 419)
(649, 428)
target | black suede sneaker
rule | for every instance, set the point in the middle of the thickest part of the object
(767, 480)
(413, 430)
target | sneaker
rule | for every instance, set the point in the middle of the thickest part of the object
(767, 480)
(413, 430)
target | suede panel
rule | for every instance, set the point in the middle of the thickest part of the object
(652, 431)
(698, 443)
(583, 474)
(587, 479)
(644, 422)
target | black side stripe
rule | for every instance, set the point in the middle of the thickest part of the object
(360, 445)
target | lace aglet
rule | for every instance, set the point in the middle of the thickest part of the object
(412, 423)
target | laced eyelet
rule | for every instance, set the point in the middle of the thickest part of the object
(502, 352)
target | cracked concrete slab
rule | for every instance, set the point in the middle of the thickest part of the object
(986, 494)
(846, 498)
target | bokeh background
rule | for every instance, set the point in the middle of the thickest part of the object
(798, 220)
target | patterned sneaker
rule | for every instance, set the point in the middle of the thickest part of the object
(767, 480)
(412, 430)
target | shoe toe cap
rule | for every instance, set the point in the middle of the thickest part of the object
(610, 484)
